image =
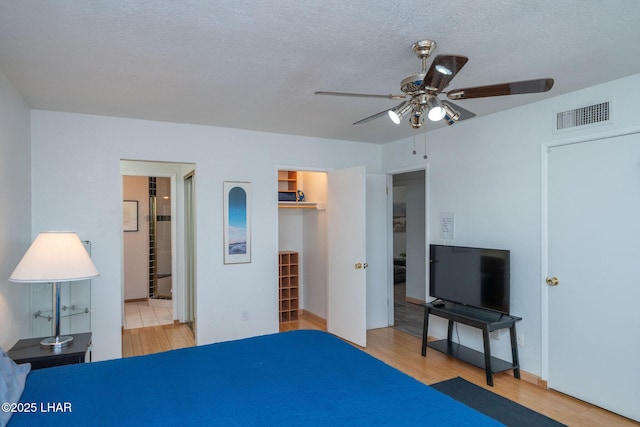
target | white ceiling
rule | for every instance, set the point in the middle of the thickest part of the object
(255, 64)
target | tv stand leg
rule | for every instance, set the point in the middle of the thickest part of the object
(425, 330)
(514, 351)
(487, 356)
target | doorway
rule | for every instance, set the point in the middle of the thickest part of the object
(409, 251)
(159, 270)
(147, 246)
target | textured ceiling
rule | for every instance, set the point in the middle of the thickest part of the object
(255, 64)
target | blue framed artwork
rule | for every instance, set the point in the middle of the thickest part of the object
(237, 222)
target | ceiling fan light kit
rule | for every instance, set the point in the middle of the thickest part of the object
(396, 114)
(416, 118)
(423, 89)
(451, 116)
(434, 107)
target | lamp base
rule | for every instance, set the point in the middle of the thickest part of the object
(56, 342)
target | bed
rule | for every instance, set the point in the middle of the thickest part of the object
(292, 378)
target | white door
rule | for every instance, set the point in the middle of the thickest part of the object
(189, 315)
(346, 260)
(378, 256)
(594, 252)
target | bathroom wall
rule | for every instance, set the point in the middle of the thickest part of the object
(136, 243)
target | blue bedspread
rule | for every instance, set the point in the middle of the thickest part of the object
(299, 378)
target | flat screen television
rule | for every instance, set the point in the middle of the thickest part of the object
(475, 277)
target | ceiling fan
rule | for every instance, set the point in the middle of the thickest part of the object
(422, 90)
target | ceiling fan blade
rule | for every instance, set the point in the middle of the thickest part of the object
(360, 95)
(443, 69)
(368, 119)
(464, 114)
(513, 88)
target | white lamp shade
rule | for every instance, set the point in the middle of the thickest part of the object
(55, 257)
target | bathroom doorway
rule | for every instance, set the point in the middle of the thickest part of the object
(147, 246)
(155, 262)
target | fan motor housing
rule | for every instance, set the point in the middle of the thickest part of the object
(412, 83)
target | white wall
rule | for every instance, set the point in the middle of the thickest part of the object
(83, 152)
(488, 171)
(15, 212)
(315, 262)
(314, 231)
(290, 230)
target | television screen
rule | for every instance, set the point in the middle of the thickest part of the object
(471, 276)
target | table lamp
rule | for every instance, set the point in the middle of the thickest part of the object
(55, 257)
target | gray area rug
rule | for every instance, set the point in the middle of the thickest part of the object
(497, 407)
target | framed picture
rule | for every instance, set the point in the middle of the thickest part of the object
(399, 217)
(130, 215)
(237, 222)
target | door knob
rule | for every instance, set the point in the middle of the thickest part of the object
(358, 266)
(552, 281)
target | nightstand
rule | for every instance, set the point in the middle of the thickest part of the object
(29, 351)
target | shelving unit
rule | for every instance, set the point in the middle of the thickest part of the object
(288, 286)
(288, 182)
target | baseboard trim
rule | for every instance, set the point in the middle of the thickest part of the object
(414, 300)
(314, 317)
(136, 300)
(532, 379)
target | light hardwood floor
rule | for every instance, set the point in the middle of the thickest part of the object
(402, 351)
(155, 339)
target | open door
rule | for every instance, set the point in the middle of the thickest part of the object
(346, 261)
(190, 251)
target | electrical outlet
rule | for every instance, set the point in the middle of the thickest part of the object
(521, 340)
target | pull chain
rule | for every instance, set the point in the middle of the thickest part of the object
(425, 147)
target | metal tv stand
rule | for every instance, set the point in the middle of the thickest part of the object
(485, 320)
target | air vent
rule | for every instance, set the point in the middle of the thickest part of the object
(591, 115)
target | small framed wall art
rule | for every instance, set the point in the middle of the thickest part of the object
(130, 215)
(237, 222)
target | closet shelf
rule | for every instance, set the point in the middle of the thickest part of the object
(302, 205)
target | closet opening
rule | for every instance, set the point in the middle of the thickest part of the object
(302, 245)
